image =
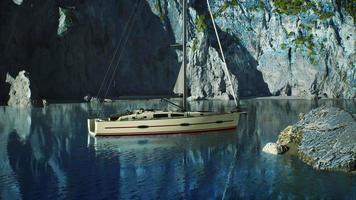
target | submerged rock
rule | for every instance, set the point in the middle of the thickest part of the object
(325, 139)
(20, 93)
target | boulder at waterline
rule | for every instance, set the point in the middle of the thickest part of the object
(20, 93)
(324, 138)
(274, 148)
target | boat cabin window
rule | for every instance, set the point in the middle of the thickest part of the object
(177, 115)
(160, 115)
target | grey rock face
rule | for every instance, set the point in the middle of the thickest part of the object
(20, 93)
(239, 61)
(325, 139)
(303, 54)
(65, 20)
(308, 53)
(206, 75)
(205, 69)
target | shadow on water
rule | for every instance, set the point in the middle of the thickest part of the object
(44, 153)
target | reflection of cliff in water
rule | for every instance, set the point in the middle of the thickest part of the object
(46, 162)
(174, 165)
(44, 153)
(12, 121)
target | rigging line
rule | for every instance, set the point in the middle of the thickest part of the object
(232, 166)
(122, 49)
(117, 48)
(222, 55)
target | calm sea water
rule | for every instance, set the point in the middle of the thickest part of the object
(45, 154)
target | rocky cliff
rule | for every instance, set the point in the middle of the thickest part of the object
(300, 48)
(67, 47)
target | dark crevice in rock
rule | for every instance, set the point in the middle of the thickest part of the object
(239, 60)
(288, 90)
(251, 82)
(264, 22)
(338, 6)
(290, 58)
(327, 64)
(336, 31)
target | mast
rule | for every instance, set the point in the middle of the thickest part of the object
(185, 55)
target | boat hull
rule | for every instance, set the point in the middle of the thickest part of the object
(211, 122)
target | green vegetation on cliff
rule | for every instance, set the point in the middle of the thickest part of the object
(227, 4)
(200, 23)
(158, 7)
(351, 8)
(295, 7)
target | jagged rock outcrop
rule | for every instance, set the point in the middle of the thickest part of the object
(20, 92)
(65, 20)
(206, 75)
(18, 2)
(325, 139)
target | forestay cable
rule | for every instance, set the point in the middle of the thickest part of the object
(122, 49)
(222, 55)
(118, 46)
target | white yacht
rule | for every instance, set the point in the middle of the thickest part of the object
(151, 122)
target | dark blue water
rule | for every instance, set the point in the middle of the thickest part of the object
(45, 154)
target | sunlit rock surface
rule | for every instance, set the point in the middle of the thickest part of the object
(206, 72)
(274, 148)
(305, 51)
(325, 138)
(247, 81)
(20, 93)
(18, 2)
(65, 20)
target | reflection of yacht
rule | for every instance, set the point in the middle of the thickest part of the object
(147, 143)
(150, 122)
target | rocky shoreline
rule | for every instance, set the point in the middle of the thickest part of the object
(324, 138)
